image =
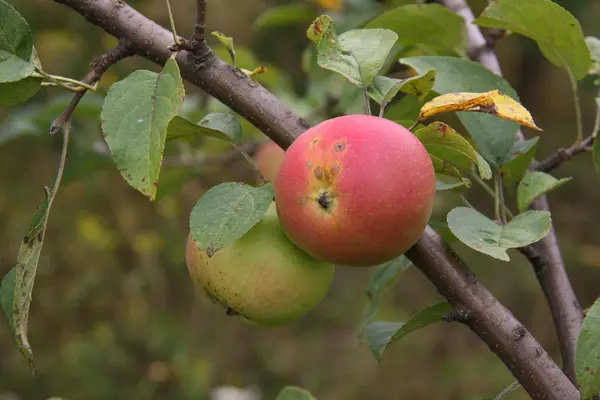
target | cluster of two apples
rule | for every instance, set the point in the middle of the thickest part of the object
(355, 190)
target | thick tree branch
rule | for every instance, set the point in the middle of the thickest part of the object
(550, 269)
(495, 325)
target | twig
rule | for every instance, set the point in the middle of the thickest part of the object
(554, 280)
(563, 154)
(99, 67)
(508, 390)
(200, 27)
(493, 323)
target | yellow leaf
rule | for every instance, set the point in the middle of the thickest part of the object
(492, 102)
(331, 5)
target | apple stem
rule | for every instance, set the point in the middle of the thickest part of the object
(249, 159)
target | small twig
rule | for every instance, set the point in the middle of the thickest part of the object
(64, 82)
(99, 67)
(563, 154)
(199, 34)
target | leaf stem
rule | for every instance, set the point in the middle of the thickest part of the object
(58, 81)
(490, 192)
(501, 197)
(249, 159)
(578, 118)
(467, 203)
(508, 390)
(172, 22)
(382, 109)
(497, 201)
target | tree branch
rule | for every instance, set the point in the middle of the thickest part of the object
(492, 322)
(99, 66)
(550, 269)
(200, 27)
(562, 155)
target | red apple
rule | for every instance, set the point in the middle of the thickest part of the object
(268, 157)
(355, 190)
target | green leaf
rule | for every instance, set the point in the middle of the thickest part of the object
(226, 41)
(13, 68)
(447, 182)
(380, 334)
(593, 44)
(430, 24)
(384, 89)
(443, 167)
(557, 32)
(518, 161)
(443, 229)
(385, 275)
(15, 37)
(406, 109)
(289, 14)
(224, 123)
(294, 393)
(494, 137)
(357, 54)
(135, 117)
(486, 236)
(445, 143)
(226, 212)
(13, 93)
(17, 286)
(587, 353)
(535, 184)
(182, 129)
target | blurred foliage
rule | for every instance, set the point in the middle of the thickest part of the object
(114, 313)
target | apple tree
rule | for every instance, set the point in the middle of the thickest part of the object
(398, 68)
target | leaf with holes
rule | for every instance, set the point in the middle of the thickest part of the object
(535, 184)
(294, 393)
(135, 117)
(432, 25)
(226, 212)
(380, 334)
(494, 137)
(445, 143)
(517, 162)
(356, 54)
(556, 31)
(17, 285)
(488, 237)
(587, 353)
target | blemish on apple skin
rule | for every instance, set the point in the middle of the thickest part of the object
(340, 146)
(335, 169)
(302, 200)
(309, 163)
(318, 173)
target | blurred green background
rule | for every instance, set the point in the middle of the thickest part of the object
(114, 313)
